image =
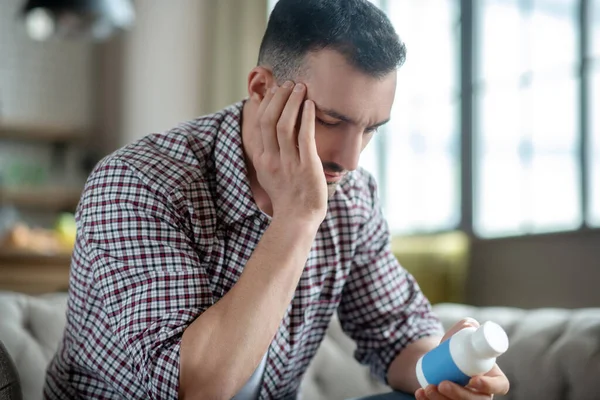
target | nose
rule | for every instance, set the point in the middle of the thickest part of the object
(348, 149)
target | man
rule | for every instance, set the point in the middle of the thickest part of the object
(210, 259)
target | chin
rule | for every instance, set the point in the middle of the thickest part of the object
(331, 188)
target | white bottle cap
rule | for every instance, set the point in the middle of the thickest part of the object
(490, 340)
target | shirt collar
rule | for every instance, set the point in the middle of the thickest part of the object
(234, 200)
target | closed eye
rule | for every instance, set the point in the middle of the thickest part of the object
(330, 124)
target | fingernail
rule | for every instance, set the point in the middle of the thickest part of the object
(299, 87)
(274, 89)
(471, 321)
(287, 84)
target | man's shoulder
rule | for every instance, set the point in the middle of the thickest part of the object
(173, 158)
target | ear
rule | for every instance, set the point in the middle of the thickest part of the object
(260, 79)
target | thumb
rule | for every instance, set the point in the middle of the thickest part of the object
(463, 323)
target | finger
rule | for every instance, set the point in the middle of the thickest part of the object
(286, 127)
(306, 135)
(463, 323)
(266, 100)
(269, 119)
(261, 110)
(456, 392)
(432, 392)
(420, 394)
(495, 382)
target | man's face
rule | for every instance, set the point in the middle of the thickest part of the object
(350, 106)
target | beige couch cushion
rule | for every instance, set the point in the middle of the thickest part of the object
(554, 354)
(334, 373)
(10, 387)
(30, 328)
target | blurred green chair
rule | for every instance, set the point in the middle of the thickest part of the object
(439, 263)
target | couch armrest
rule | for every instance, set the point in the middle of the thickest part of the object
(31, 328)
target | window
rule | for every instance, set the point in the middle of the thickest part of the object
(420, 146)
(594, 154)
(594, 148)
(527, 177)
(594, 18)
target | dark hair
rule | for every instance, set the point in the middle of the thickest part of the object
(355, 28)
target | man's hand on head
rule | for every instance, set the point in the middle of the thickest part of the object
(287, 163)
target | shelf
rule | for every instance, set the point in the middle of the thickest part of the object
(15, 257)
(43, 199)
(40, 133)
(34, 273)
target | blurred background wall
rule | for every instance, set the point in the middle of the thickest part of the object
(489, 172)
(177, 63)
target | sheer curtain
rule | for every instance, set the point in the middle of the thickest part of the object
(421, 151)
(234, 30)
(527, 175)
(179, 62)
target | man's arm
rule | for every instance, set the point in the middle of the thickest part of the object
(155, 294)
(225, 344)
(385, 312)
(382, 306)
(402, 372)
(158, 302)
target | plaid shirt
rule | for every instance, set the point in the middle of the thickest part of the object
(165, 227)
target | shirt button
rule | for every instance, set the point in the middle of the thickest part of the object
(257, 221)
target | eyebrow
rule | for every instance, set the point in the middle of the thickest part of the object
(345, 118)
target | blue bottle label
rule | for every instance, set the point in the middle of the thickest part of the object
(439, 366)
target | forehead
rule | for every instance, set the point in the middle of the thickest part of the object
(332, 83)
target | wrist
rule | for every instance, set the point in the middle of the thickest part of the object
(309, 219)
(297, 225)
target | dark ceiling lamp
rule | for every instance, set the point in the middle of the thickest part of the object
(91, 19)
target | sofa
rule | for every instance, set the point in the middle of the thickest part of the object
(554, 354)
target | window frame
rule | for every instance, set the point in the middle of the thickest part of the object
(469, 80)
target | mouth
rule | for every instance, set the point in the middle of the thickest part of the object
(333, 178)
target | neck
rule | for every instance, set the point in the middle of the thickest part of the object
(261, 198)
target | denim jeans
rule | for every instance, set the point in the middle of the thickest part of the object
(388, 396)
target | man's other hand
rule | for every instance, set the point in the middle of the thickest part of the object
(482, 387)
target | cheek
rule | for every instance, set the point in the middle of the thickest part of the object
(366, 139)
(325, 141)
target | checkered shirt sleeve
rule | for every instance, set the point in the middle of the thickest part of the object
(382, 306)
(149, 277)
